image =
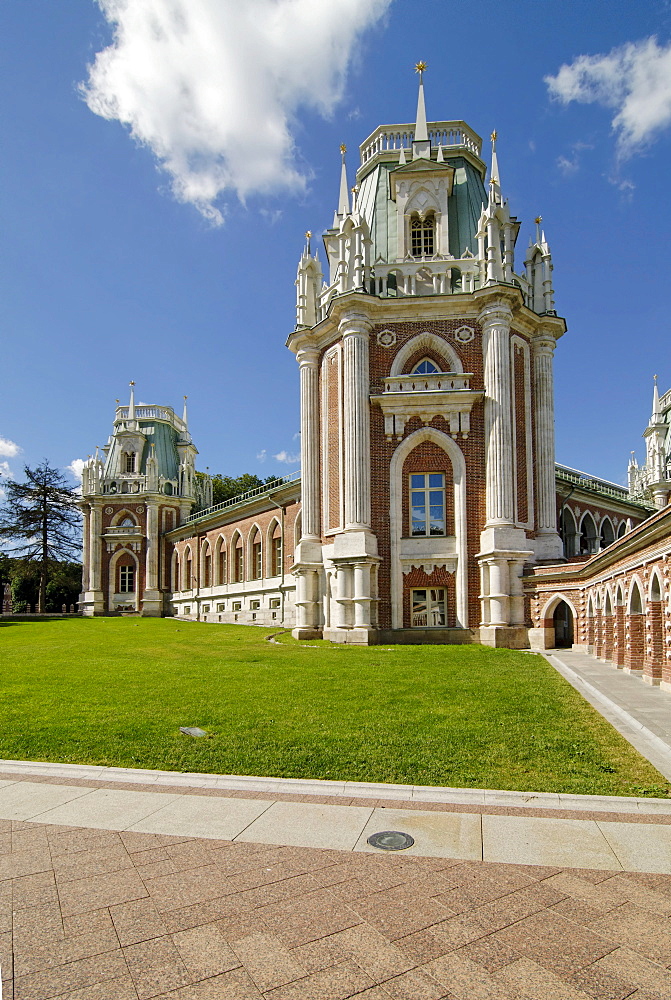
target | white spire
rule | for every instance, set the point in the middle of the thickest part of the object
(494, 176)
(421, 132)
(656, 410)
(185, 417)
(131, 404)
(343, 199)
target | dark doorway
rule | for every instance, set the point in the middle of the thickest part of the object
(563, 622)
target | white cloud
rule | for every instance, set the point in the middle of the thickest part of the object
(75, 468)
(287, 458)
(8, 448)
(261, 457)
(634, 80)
(5, 470)
(214, 87)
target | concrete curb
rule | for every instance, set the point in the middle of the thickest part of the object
(341, 789)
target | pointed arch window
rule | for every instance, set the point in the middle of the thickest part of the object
(130, 461)
(423, 235)
(425, 367)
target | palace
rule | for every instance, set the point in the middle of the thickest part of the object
(429, 506)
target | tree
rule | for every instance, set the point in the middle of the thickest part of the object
(40, 519)
(227, 488)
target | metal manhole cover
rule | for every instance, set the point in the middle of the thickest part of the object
(391, 840)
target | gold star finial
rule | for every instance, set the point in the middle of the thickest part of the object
(538, 220)
(494, 136)
(343, 148)
(420, 67)
(308, 234)
(131, 383)
(655, 378)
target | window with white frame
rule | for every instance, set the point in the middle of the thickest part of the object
(127, 579)
(130, 461)
(427, 503)
(428, 608)
(423, 236)
(425, 367)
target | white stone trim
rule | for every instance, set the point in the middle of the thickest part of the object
(430, 342)
(551, 605)
(454, 453)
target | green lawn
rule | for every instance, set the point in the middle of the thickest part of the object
(116, 690)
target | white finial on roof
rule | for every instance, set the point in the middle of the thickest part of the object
(343, 200)
(184, 414)
(131, 404)
(421, 132)
(494, 176)
(656, 409)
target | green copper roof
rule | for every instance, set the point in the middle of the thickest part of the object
(464, 208)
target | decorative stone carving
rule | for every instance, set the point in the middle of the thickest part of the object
(386, 338)
(464, 335)
(109, 510)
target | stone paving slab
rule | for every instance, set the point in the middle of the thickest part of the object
(246, 921)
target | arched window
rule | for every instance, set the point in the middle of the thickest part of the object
(238, 561)
(130, 462)
(276, 551)
(588, 536)
(188, 571)
(127, 523)
(425, 367)
(256, 569)
(567, 530)
(422, 236)
(206, 571)
(635, 602)
(622, 530)
(606, 535)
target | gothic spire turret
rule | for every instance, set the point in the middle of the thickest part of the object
(343, 197)
(495, 197)
(421, 146)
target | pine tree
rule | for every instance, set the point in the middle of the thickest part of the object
(40, 520)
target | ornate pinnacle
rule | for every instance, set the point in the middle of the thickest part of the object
(343, 148)
(494, 136)
(420, 67)
(131, 383)
(538, 220)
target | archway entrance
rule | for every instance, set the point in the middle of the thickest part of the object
(563, 624)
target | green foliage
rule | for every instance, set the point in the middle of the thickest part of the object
(227, 488)
(63, 587)
(40, 520)
(115, 691)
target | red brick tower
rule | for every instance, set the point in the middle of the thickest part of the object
(427, 410)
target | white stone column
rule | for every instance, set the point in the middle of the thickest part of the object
(309, 381)
(544, 436)
(95, 548)
(344, 590)
(355, 331)
(86, 549)
(362, 582)
(498, 591)
(495, 320)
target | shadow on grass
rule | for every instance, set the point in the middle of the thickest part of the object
(28, 619)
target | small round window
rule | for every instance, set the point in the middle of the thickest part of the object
(425, 367)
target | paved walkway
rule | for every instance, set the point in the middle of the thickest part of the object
(125, 884)
(640, 712)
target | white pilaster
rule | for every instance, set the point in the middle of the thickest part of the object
(355, 332)
(309, 382)
(548, 542)
(495, 320)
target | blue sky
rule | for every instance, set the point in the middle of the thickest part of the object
(170, 257)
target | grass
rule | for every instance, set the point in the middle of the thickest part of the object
(116, 690)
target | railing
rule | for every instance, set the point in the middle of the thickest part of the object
(117, 530)
(152, 413)
(591, 483)
(436, 382)
(258, 491)
(396, 137)
(125, 484)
